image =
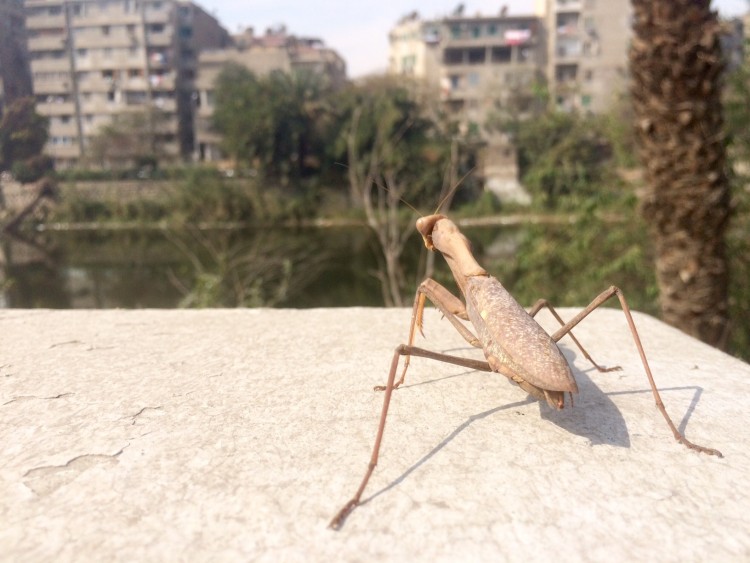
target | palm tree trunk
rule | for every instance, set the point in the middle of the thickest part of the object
(676, 67)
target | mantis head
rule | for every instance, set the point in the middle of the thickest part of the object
(425, 226)
(440, 233)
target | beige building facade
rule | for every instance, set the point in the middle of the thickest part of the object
(587, 51)
(577, 48)
(94, 59)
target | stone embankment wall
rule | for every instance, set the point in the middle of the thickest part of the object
(15, 196)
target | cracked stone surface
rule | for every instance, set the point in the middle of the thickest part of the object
(229, 435)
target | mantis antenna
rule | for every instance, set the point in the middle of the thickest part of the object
(452, 190)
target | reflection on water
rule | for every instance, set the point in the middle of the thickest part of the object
(220, 268)
(153, 268)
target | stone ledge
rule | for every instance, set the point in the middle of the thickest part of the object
(237, 434)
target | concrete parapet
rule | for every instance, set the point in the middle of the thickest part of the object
(235, 435)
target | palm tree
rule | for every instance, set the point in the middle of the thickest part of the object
(676, 67)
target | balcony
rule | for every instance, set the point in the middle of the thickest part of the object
(52, 87)
(568, 5)
(165, 82)
(570, 49)
(68, 129)
(94, 19)
(45, 22)
(60, 64)
(47, 42)
(69, 149)
(162, 15)
(56, 108)
(163, 39)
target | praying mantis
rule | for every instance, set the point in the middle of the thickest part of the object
(513, 343)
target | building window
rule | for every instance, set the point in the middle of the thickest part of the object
(408, 63)
(453, 56)
(566, 73)
(456, 31)
(455, 80)
(105, 30)
(476, 31)
(586, 100)
(135, 98)
(477, 56)
(500, 54)
(473, 79)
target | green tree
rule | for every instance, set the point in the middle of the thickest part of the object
(133, 139)
(271, 123)
(564, 159)
(23, 133)
(393, 153)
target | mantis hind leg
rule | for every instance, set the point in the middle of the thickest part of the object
(544, 303)
(600, 299)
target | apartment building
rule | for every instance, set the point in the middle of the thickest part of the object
(15, 77)
(587, 51)
(261, 54)
(94, 59)
(578, 47)
(478, 64)
(575, 50)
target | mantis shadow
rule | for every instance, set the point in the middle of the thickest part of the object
(448, 439)
(593, 415)
(598, 418)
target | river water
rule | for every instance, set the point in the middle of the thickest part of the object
(153, 268)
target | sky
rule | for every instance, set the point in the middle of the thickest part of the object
(358, 29)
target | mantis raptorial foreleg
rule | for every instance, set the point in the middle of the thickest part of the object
(452, 308)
